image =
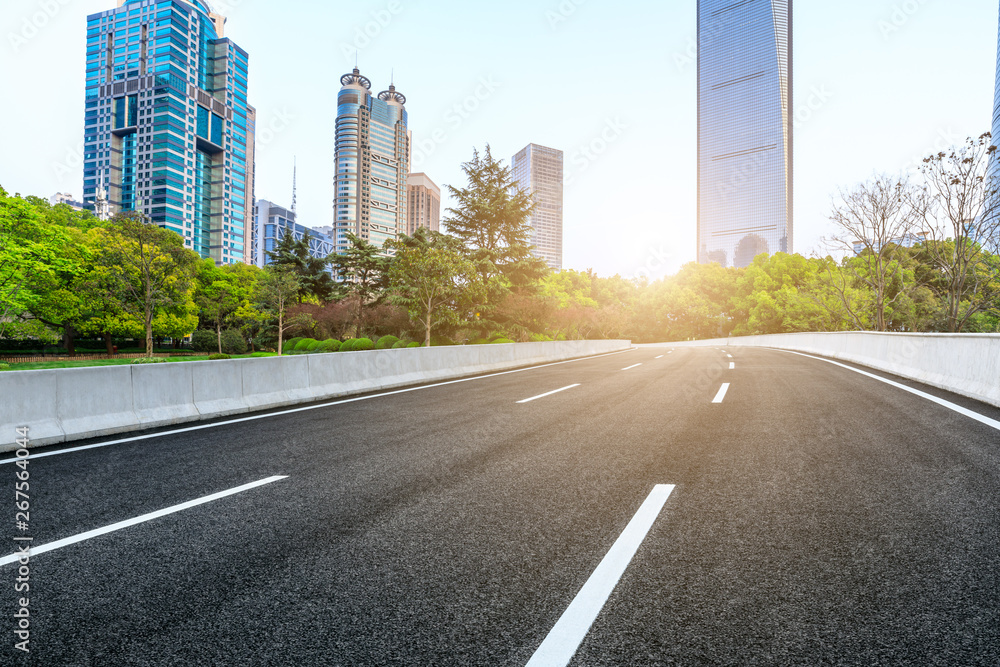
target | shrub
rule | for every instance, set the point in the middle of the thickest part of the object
(233, 342)
(313, 346)
(501, 341)
(218, 357)
(144, 360)
(479, 341)
(290, 344)
(415, 345)
(398, 345)
(386, 342)
(540, 338)
(348, 345)
(441, 341)
(363, 345)
(203, 340)
(302, 346)
(4, 366)
(330, 345)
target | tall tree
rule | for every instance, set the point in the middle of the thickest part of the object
(148, 268)
(874, 223)
(277, 290)
(430, 277)
(313, 272)
(491, 220)
(364, 269)
(960, 210)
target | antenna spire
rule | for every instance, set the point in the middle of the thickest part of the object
(295, 185)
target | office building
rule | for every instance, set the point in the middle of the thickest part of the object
(372, 160)
(65, 198)
(273, 223)
(424, 205)
(168, 130)
(539, 170)
(745, 116)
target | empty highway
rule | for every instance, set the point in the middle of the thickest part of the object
(687, 506)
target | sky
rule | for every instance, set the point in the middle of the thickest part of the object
(878, 85)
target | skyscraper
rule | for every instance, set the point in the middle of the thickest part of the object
(273, 223)
(744, 130)
(539, 170)
(372, 161)
(166, 122)
(425, 204)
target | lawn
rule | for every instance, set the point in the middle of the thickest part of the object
(45, 365)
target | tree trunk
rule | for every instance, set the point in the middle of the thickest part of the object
(361, 314)
(427, 328)
(218, 334)
(149, 334)
(281, 329)
(68, 335)
(108, 344)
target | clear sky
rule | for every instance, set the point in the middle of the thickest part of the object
(878, 84)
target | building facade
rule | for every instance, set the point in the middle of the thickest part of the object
(424, 205)
(372, 159)
(539, 170)
(273, 223)
(745, 118)
(168, 130)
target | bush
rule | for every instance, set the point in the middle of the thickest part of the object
(415, 345)
(441, 341)
(4, 366)
(540, 338)
(501, 341)
(218, 357)
(302, 346)
(330, 345)
(203, 340)
(399, 345)
(144, 360)
(313, 346)
(233, 342)
(289, 345)
(363, 345)
(386, 342)
(479, 341)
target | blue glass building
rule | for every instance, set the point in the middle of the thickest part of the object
(273, 223)
(744, 129)
(166, 128)
(372, 160)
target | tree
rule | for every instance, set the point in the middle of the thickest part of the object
(313, 272)
(278, 289)
(875, 222)
(363, 267)
(225, 294)
(491, 220)
(960, 210)
(148, 268)
(429, 277)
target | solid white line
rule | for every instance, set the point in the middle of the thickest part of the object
(982, 419)
(59, 544)
(572, 627)
(228, 422)
(535, 398)
(631, 367)
(732, 365)
(722, 394)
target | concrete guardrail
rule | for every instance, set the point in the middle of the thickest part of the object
(966, 364)
(76, 403)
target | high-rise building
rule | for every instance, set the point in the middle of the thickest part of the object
(372, 161)
(424, 206)
(65, 198)
(168, 130)
(539, 170)
(744, 130)
(273, 223)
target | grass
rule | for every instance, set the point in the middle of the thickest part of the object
(46, 365)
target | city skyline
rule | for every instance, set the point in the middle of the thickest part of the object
(897, 55)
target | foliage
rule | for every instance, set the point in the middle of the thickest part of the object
(312, 272)
(400, 344)
(218, 357)
(329, 345)
(148, 360)
(414, 344)
(363, 268)
(275, 291)
(386, 342)
(233, 342)
(203, 340)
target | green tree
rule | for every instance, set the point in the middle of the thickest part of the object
(430, 277)
(313, 272)
(148, 269)
(364, 269)
(276, 291)
(225, 295)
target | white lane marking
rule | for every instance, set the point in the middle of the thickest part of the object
(228, 422)
(982, 419)
(660, 357)
(732, 365)
(59, 544)
(572, 627)
(722, 394)
(535, 398)
(631, 367)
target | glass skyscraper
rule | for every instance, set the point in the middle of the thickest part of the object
(166, 123)
(539, 170)
(372, 160)
(744, 129)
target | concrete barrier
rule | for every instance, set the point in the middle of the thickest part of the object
(76, 403)
(966, 364)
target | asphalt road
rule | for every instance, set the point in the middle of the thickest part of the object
(817, 517)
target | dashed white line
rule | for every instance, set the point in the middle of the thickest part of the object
(631, 367)
(59, 544)
(722, 394)
(732, 365)
(572, 627)
(661, 356)
(535, 398)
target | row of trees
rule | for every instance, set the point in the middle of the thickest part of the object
(917, 257)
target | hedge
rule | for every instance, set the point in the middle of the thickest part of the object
(329, 345)
(386, 342)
